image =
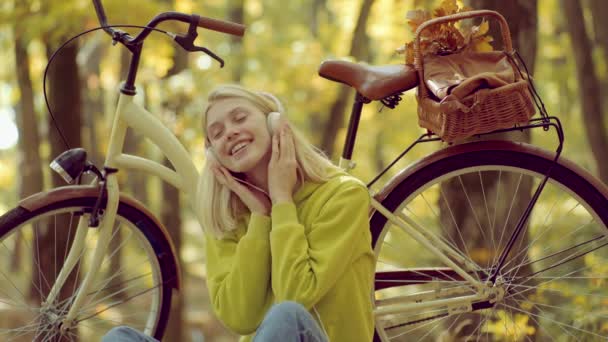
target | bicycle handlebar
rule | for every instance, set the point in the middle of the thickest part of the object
(223, 26)
(218, 25)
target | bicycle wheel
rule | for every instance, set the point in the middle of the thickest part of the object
(553, 283)
(133, 285)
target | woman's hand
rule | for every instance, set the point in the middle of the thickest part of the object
(255, 200)
(282, 169)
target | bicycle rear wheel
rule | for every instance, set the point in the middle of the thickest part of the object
(133, 286)
(472, 195)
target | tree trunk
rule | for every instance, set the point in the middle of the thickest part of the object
(359, 49)
(171, 218)
(599, 11)
(236, 13)
(65, 102)
(30, 175)
(588, 85)
(64, 99)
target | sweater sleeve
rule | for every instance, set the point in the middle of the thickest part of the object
(238, 276)
(305, 268)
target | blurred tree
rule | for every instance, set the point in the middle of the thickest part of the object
(30, 175)
(359, 50)
(599, 11)
(588, 84)
(170, 208)
(236, 13)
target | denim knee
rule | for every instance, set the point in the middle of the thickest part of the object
(286, 310)
(125, 334)
(289, 322)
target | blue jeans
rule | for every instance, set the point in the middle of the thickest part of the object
(285, 322)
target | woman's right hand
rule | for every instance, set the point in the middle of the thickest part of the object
(255, 200)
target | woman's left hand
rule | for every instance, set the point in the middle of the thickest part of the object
(282, 169)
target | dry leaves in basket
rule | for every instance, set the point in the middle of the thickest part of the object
(445, 38)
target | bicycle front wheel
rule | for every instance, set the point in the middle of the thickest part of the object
(552, 286)
(133, 286)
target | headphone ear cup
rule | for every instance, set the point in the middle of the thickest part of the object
(273, 121)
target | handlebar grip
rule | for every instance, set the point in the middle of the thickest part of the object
(222, 26)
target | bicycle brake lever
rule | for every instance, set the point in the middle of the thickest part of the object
(187, 41)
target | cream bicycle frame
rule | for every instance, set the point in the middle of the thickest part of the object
(185, 178)
(448, 255)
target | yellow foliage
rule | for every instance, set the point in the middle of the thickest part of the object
(445, 38)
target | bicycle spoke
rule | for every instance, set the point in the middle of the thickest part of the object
(47, 241)
(523, 250)
(485, 202)
(553, 275)
(454, 221)
(126, 300)
(563, 325)
(567, 259)
(466, 195)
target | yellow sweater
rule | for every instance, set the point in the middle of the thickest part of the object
(315, 251)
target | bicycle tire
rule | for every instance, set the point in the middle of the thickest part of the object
(554, 307)
(146, 238)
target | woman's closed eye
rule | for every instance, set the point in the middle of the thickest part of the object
(240, 117)
(216, 133)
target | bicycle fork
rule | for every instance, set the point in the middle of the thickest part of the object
(110, 186)
(76, 251)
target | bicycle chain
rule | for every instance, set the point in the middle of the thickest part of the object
(419, 321)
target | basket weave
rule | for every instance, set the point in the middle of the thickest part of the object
(489, 109)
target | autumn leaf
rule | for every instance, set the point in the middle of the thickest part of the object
(446, 7)
(446, 38)
(416, 18)
(482, 44)
(482, 29)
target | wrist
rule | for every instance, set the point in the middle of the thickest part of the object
(262, 212)
(281, 199)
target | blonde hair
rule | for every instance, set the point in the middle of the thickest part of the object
(220, 208)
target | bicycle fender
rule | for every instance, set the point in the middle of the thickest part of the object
(44, 198)
(503, 145)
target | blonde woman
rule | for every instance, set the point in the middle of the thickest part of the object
(287, 234)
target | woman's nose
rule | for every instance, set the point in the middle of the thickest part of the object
(232, 133)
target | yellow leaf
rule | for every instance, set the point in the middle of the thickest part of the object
(417, 17)
(483, 44)
(465, 9)
(481, 29)
(450, 6)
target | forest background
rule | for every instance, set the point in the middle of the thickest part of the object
(563, 43)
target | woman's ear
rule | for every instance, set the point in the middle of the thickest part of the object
(273, 119)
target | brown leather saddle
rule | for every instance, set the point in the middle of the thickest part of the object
(373, 82)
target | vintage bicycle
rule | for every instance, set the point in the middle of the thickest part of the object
(484, 240)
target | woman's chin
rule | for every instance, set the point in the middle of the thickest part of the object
(242, 165)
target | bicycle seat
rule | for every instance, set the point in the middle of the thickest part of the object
(373, 82)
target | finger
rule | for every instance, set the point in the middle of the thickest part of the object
(290, 149)
(282, 143)
(218, 175)
(275, 148)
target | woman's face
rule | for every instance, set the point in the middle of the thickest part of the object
(238, 134)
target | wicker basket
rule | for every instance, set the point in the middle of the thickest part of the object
(488, 109)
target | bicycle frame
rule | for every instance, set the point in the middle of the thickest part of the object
(434, 244)
(185, 177)
(130, 114)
